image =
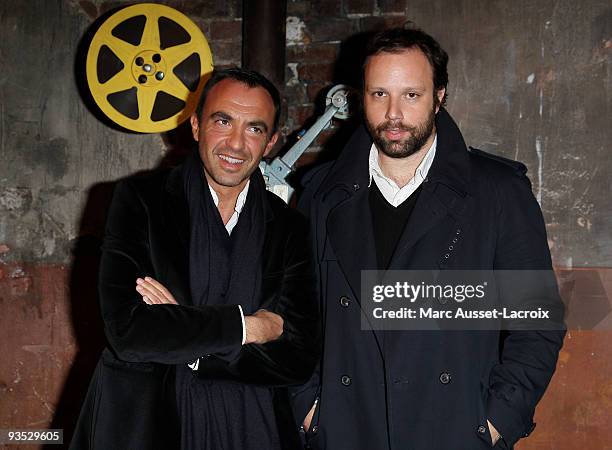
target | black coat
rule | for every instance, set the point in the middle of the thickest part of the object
(130, 403)
(425, 389)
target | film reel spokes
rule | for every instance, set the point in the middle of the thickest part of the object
(146, 67)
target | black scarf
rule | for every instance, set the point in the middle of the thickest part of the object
(223, 269)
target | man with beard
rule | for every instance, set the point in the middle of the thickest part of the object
(207, 293)
(406, 193)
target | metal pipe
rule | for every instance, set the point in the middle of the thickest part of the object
(263, 38)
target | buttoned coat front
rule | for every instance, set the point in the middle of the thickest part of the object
(425, 390)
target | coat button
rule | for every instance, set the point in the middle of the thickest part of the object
(482, 429)
(314, 429)
(356, 186)
(445, 378)
(346, 380)
(345, 301)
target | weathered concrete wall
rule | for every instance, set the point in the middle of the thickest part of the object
(528, 79)
(531, 80)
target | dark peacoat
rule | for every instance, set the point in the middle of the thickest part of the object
(131, 399)
(425, 390)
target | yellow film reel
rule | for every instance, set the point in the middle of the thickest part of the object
(146, 67)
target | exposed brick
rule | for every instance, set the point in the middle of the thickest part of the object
(378, 23)
(325, 8)
(205, 8)
(319, 52)
(295, 32)
(204, 25)
(226, 30)
(227, 52)
(236, 7)
(300, 114)
(296, 93)
(324, 136)
(298, 8)
(359, 6)
(316, 72)
(315, 90)
(330, 29)
(201, 9)
(392, 6)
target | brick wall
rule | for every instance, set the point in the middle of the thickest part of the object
(322, 37)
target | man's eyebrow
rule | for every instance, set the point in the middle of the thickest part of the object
(221, 115)
(259, 123)
(406, 89)
(415, 88)
(225, 116)
(374, 88)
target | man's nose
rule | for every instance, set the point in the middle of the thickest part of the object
(235, 140)
(394, 111)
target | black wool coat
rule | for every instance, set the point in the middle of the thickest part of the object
(425, 390)
(131, 399)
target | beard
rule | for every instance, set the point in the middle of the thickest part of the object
(419, 134)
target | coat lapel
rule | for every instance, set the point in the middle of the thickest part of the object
(348, 222)
(175, 209)
(444, 191)
(436, 203)
(350, 230)
(175, 217)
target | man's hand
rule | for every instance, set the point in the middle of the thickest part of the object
(153, 292)
(263, 326)
(495, 436)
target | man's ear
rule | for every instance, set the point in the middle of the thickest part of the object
(270, 144)
(195, 126)
(440, 93)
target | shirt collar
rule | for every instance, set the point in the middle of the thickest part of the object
(240, 201)
(419, 175)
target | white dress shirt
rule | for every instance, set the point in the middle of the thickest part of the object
(240, 201)
(394, 194)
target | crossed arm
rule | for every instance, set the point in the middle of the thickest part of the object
(261, 327)
(282, 342)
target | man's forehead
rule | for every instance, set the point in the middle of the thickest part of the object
(239, 93)
(410, 61)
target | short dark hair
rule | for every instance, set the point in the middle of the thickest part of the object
(396, 40)
(249, 77)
